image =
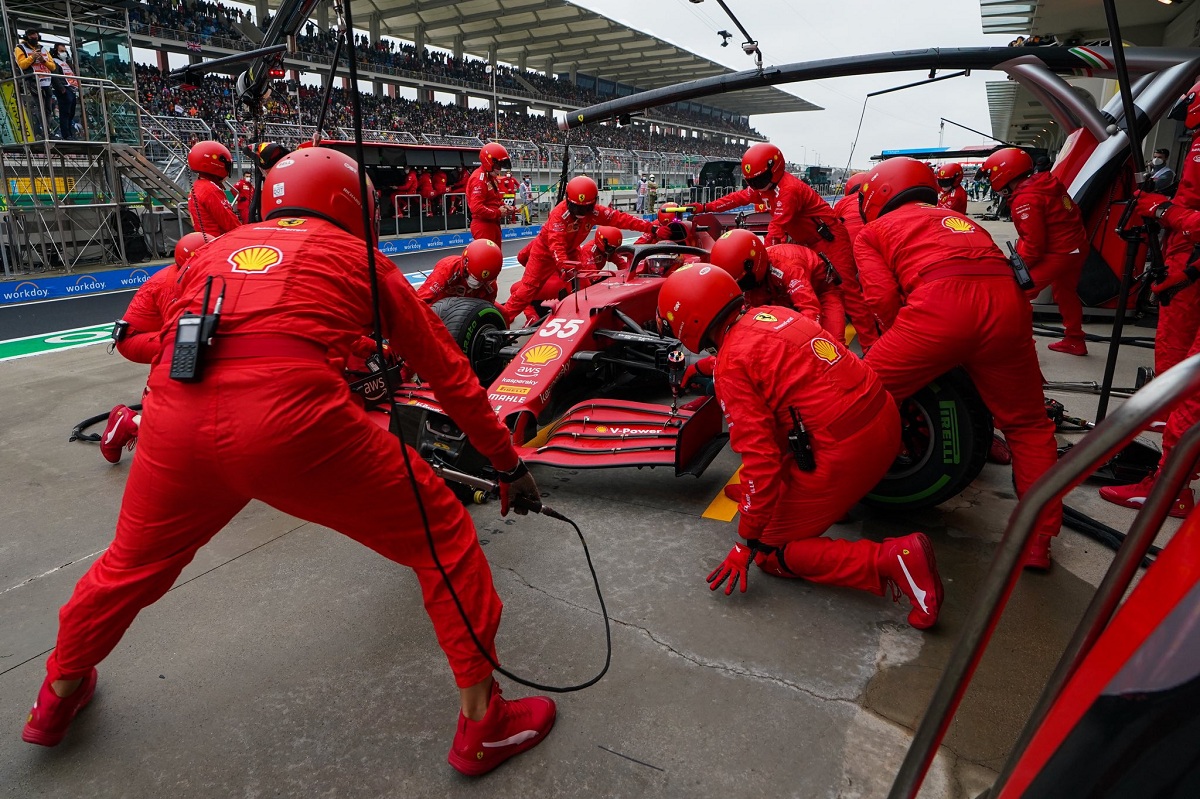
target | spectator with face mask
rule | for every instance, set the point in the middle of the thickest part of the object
(1158, 171)
(37, 67)
(66, 91)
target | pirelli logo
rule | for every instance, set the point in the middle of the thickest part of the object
(504, 388)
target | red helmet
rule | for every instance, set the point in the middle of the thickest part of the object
(493, 156)
(854, 182)
(1006, 165)
(666, 217)
(743, 255)
(949, 175)
(482, 259)
(210, 158)
(692, 299)
(582, 193)
(893, 183)
(1187, 110)
(763, 166)
(188, 246)
(320, 182)
(609, 238)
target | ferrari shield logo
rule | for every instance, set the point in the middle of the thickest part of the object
(253, 260)
(957, 225)
(290, 222)
(826, 351)
(765, 317)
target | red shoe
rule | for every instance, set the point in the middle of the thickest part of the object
(735, 492)
(999, 452)
(121, 431)
(1071, 346)
(508, 729)
(909, 566)
(1134, 496)
(51, 714)
(1037, 554)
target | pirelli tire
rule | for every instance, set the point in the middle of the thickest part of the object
(467, 319)
(947, 431)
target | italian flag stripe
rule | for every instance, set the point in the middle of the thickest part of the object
(1094, 59)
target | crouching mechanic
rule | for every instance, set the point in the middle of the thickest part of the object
(137, 336)
(785, 274)
(1052, 239)
(296, 291)
(556, 251)
(799, 215)
(816, 431)
(472, 274)
(947, 297)
(1182, 279)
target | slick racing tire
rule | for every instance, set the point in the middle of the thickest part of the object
(946, 430)
(468, 319)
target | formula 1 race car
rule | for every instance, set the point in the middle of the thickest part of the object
(591, 385)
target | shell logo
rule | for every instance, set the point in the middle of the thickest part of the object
(542, 354)
(601, 429)
(1067, 204)
(956, 225)
(256, 259)
(765, 317)
(826, 351)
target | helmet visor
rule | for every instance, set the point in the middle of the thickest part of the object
(946, 183)
(1179, 110)
(503, 163)
(580, 209)
(760, 181)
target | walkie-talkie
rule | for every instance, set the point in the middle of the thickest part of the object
(1020, 269)
(193, 333)
(800, 444)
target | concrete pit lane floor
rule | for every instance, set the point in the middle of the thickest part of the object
(290, 661)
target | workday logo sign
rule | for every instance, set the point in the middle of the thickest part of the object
(25, 290)
(136, 278)
(85, 284)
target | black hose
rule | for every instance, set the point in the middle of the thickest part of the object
(1110, 537)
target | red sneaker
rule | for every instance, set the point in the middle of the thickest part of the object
(51, 714)
(908, 565)
(508, 729)
(998, 451)
(1134, 496)
(121, 431)
(1071, 346)
(735, 492)
(1037, 554)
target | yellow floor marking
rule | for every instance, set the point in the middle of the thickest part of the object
(850, 333)
(722, 507)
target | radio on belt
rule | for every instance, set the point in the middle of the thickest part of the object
(193, 335)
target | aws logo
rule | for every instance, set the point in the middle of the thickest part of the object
(256, 259)
(956, 225)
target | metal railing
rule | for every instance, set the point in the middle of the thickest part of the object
(452, 141)
(1096, 448)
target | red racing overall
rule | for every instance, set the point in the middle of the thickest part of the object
(449, 279)
(1179, 321)
(946, 297)
(1053, 243)
(955, 199)
(774, 359)
(555, 252)
(147, 310)
(271, 420)
(210, 210)
(797, 278)
(798, 213)
(487, 206)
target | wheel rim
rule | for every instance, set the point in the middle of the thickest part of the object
(916, 434)
(487, 368)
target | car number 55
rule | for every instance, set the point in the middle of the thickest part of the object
(561, 328)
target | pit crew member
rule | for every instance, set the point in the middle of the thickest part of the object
(296, 291)
(816, 431)
(555, 251)
(139, 339)
(243, 190)
(484, 197)
(209, 208)
(951, 193)
(1183, 275)
(799, 215)
(847, 207)
(471, 274)
(1053, 241)
(947, 297)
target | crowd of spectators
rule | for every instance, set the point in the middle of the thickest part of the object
(213, 102)
(199, 22)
